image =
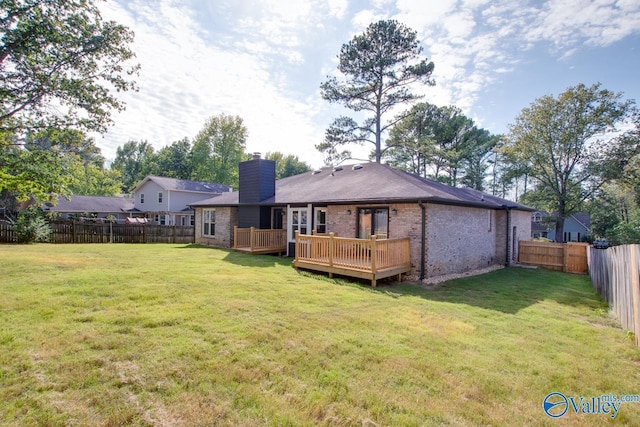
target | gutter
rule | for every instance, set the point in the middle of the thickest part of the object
(507, 261)
(423, 240)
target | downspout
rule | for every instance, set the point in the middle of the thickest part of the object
(508, 245)
(423, 241)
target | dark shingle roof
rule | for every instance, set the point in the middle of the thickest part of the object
(371, 183)
(81, 204)
(583, 218)
(173, 184)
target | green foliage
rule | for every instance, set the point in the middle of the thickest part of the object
(566, 144)
(379, 66)
(31, 172)
(31, 226)
(61, 54)
(288, 165)
(134, 161)
(174, 160)
(441, 143)
(217, 150)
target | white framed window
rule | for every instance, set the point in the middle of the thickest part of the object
(160, 197)
(209, 222)
(141, 198)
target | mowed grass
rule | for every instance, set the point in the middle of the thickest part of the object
(186, 335)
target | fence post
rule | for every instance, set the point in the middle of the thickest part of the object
(565, 257)
(635, 288)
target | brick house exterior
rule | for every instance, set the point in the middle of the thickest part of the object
(463, 229)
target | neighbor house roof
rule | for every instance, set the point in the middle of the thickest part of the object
(583, 218)
(173, 184)
(80, 204)
(366, 183)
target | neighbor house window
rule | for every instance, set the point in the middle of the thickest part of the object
(160, 197)
(373, 222)
(141, 198)
(209, 222)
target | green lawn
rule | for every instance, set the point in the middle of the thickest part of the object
(185, 335)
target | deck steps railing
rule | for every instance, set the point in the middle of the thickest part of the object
(255, 240)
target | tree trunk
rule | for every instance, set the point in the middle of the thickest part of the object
(559, 238)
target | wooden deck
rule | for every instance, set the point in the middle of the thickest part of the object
(367, 259)
(256, 241)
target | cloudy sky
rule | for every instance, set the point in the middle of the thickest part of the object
(264, 60)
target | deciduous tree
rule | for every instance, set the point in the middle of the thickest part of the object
(61, 65)
(288, 165)
(217, 150)
(567, 144)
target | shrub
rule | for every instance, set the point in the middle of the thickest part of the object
(32, 227)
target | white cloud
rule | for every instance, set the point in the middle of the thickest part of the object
(264, 60)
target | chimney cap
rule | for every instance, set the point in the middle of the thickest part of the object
(257, 155)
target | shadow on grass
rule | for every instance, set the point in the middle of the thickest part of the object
(244, 259)
(509, 290)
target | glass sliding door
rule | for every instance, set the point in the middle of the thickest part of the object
(373, 222)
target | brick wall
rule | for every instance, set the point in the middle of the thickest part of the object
(226, 218)
(339, 220)
(459, 239)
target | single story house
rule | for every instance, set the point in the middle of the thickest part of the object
(165, 201)
(576, 226)
(92, 207)
(450, 230)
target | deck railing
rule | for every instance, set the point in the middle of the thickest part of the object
(256, 240)
(367, 258)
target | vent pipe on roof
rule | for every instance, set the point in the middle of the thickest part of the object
(256, 156)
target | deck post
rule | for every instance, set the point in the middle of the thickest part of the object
(373, 260)
(235, 236)
(251, 238)
(331, 251)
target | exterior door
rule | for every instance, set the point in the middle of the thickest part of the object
(297, 220)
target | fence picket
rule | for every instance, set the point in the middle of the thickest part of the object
(79, 232)
(615, 274)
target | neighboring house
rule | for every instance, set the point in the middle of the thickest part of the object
(92, 207)
(459, 229)
(165, 201)
(576, 227)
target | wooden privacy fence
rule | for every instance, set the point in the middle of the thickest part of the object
(7, 233)
(615, 274)
(371, 259)
(568, 257)
(87, 232)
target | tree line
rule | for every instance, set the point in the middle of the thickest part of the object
(62, 65)
(577, 151)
